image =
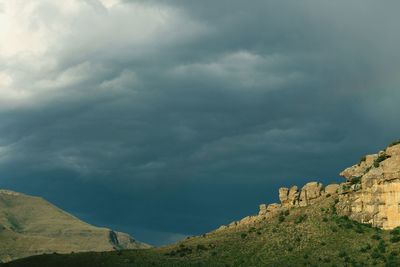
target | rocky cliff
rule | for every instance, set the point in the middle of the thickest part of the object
(30, 226)
(370, 194)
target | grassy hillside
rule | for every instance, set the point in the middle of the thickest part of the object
(30, 225)
(307, 236)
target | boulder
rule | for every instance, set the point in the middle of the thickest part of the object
(331, 189)
(283, 195)
(309, 192)
(263, 209)
(293, 196)
(273, 207)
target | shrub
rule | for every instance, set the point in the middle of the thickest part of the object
(300, 219)
(281, 217)
(395, 143)
(362, 159)
(345, 187)
(382, 246)
(375, 254)
(326, 260)
(325, 219)
(376, 236)
(380, 159)
(394, 253)
(395, 239)
(243, 235)
(355, 180)
(201, 247)
(342, 254)
(286, 213)
(395, 231)
(252, 229)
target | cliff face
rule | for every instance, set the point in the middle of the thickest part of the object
(372, 191)
(370, 194)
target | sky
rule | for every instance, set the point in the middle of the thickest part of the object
(169, 118)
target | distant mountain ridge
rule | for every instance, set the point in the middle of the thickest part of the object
(30, 226)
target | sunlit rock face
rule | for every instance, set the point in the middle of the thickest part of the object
(372, 191)
(370, 194)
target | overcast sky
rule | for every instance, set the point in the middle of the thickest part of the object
(169, 118)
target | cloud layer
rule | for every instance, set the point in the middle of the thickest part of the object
(168, 118)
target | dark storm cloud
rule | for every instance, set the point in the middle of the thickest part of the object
(197, 118)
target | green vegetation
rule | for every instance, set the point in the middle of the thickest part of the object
(395, 143)
(307, 236)
(363, 159)
(355, 180)
(380, 159)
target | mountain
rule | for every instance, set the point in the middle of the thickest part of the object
(348, 224)
(30, 226)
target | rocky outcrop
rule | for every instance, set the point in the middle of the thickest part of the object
(307, 195)
(371, 193)
(331, 189)
(289, 198)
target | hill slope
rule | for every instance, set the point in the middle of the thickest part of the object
(30, 226)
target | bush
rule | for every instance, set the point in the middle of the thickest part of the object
(382, 246)
(243, 235)
(281, 217)
(395, 239)
(355, 180)
(376, 236)
(342, 254)
(201, 247)
(300, 219)
(380, 159)
(362, 159)
(252, 229)
(286, 213)
(325, 219)
(395, 143)
(395, 231)
(375, 254)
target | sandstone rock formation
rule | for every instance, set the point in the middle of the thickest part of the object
(370, 194)
(372, 191)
